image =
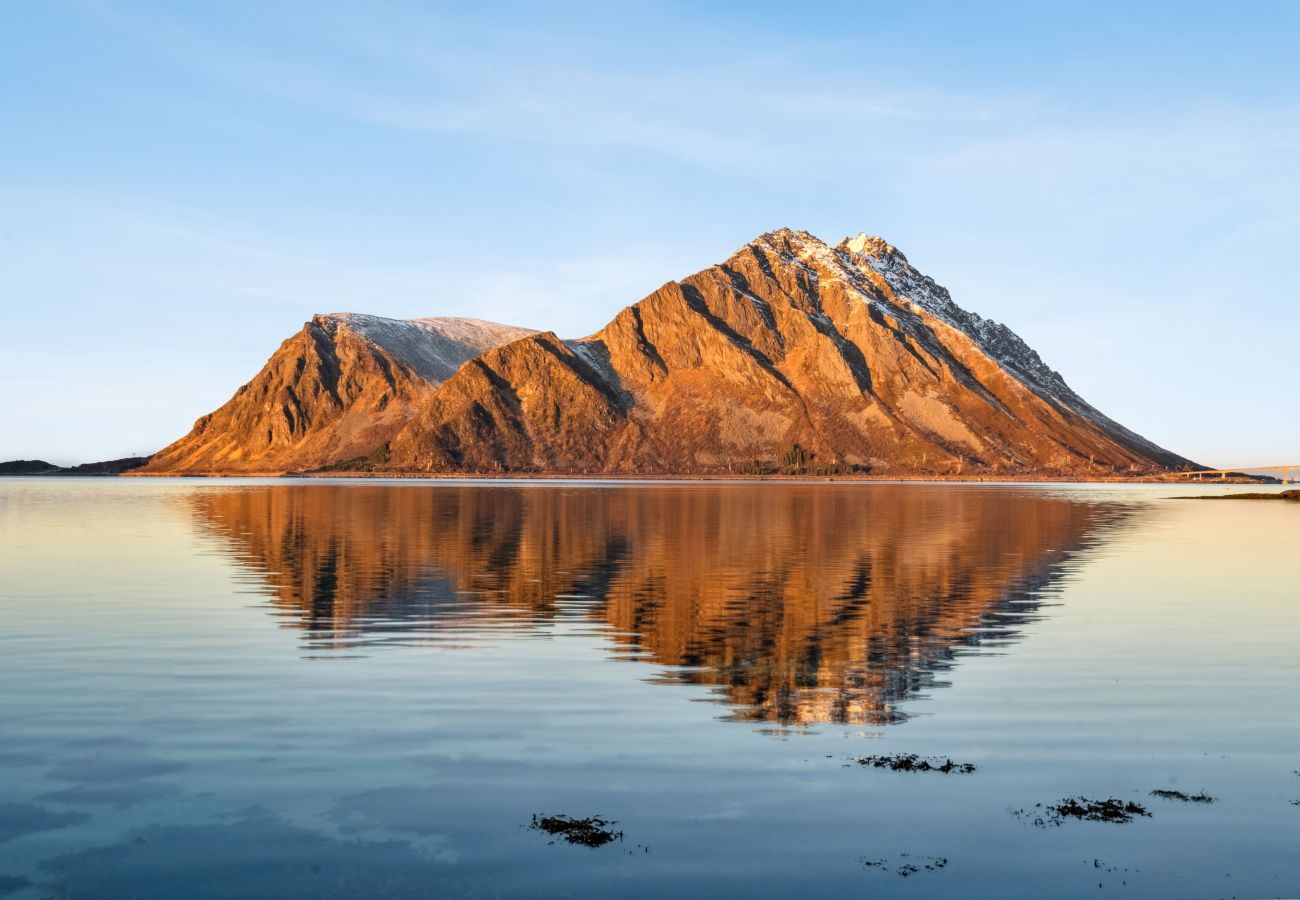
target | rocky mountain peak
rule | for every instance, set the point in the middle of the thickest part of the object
(869, 245)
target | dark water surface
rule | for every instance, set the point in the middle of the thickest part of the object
(287, 689)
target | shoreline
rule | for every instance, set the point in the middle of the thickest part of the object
(718, 478)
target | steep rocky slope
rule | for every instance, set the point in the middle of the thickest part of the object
(334, 391)
(791, 355)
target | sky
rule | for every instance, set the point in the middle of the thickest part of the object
(183, 184)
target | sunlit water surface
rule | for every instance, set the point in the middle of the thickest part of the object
(288, 689)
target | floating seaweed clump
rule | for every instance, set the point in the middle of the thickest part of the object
(910, 762)
(1109, 810)
(907, 869)
(592, 831)
(1202, 797)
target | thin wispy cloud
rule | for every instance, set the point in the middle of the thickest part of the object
(745, 113)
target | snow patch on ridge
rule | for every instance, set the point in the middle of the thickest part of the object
(435, 347)
(996, 340)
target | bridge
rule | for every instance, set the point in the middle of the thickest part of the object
(1240, 470)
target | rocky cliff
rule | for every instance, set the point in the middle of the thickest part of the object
(793, 355)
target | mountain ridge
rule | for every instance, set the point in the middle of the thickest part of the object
(792, 354)
(332, 391)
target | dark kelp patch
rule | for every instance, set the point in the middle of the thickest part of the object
(1083, 809)
(910, 762)
(913, 866)
(593, 831)
(1202, 797)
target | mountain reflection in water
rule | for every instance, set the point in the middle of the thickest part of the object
(800, 604)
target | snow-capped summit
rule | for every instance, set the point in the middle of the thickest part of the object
(869, 245)
(435, 346)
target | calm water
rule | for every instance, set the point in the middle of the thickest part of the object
(279, 689)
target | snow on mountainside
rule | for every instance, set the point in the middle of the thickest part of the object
(434, 347)
(1002, 344)
(995, 339)
(916, 290)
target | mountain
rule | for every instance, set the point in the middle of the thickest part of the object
(792, 355)
(335, 390)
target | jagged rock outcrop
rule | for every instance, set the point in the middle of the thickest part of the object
(333, 392)
(793, 355)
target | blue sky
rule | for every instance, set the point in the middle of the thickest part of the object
(183, 184)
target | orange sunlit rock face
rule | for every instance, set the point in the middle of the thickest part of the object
(792, 356)
(799, 604)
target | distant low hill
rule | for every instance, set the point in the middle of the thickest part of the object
(41, 467)
(793, 356)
